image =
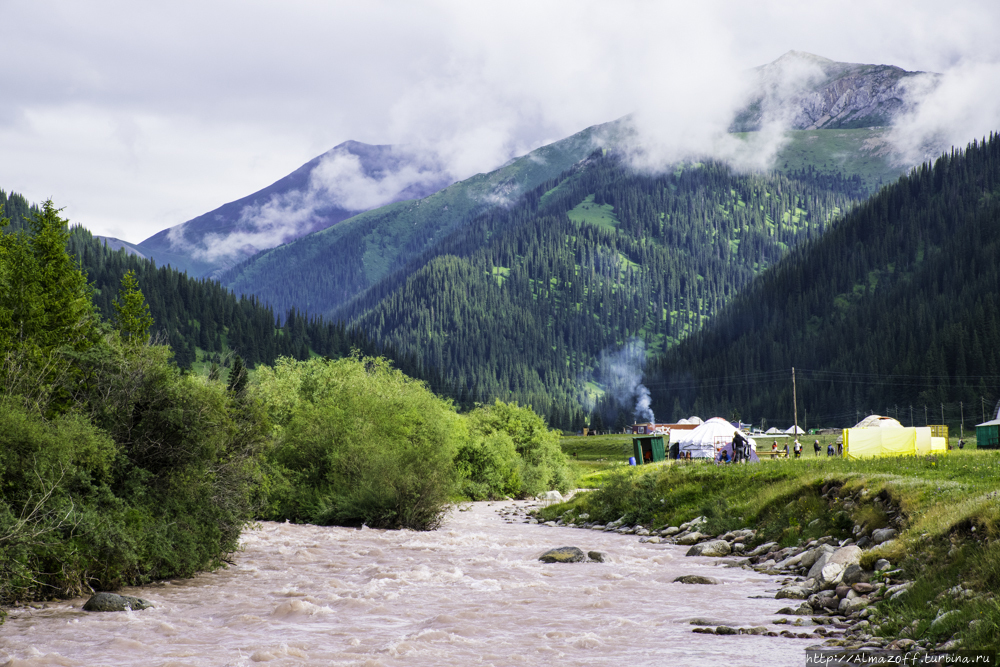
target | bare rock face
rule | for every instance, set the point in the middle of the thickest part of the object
(817, 93)
(711, 548)
(115, 602)
(563, 555)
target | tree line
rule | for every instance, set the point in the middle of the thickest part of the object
(894, 310)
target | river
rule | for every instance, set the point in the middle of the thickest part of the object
(470, 593)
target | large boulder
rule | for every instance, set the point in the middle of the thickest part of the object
(115, 602)
(695, 579)
(553, 496)
(563, 555)
(711, 548)
(597, 556)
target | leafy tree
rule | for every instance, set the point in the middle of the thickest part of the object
(541, 463)
(357, 442)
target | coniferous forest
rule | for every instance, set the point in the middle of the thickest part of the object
(895, 310)
(520, 303)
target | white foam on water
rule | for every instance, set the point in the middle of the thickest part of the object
(470, 593)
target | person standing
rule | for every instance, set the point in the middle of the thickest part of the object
(798, 449)
(816, 447)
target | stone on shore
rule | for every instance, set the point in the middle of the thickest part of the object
(695, 579)
(763, 549)
(828, 570)
(563, 555)
(689, 538)
(713, 548)
(115, 602)
(792, 593)
(883, 535)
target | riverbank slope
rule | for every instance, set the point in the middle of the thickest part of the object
(944, 511)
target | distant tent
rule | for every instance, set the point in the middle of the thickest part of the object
(878, 421)
(772, 431)
(684, 421)
(794, 430)
(703, 441)
(695, 420)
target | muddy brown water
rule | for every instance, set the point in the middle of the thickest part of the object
(470, 593)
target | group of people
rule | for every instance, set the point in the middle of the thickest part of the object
(796, 449)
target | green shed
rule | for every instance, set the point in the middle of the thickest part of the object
(988, 435)
(648, 449)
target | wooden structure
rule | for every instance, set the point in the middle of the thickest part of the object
(648, 449)
(988, 435)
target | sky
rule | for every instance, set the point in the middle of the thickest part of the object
(135, 117)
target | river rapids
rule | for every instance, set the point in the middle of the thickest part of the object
(471, 593)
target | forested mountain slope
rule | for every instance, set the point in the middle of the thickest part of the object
(519, 303)
(897, 305)
(321, 271)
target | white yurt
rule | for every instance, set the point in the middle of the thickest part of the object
(794, 430)
(703, 441)
(772, 431)
(878, 421)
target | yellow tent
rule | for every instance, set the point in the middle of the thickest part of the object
(877, 440)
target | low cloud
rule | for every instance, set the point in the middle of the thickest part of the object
(341, 182)
(949, 111)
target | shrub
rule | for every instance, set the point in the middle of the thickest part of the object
(541, 463)
(356, 441)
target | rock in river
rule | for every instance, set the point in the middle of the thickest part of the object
(695, 579)
(115, 602)
(712, 548)
(597, 556)
(563, 555)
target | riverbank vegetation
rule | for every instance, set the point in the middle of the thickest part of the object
(118, 467)
(945, 509)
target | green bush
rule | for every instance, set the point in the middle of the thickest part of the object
(540, 464)
(357, 442)
(489, 466)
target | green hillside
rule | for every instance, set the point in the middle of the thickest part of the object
(519, 303)
(896, 310)
(322, 271)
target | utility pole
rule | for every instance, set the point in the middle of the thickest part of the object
(911, 415)
(795, 404)
(982, 401)
(942, 413)
(927, 422)
(961, 432)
